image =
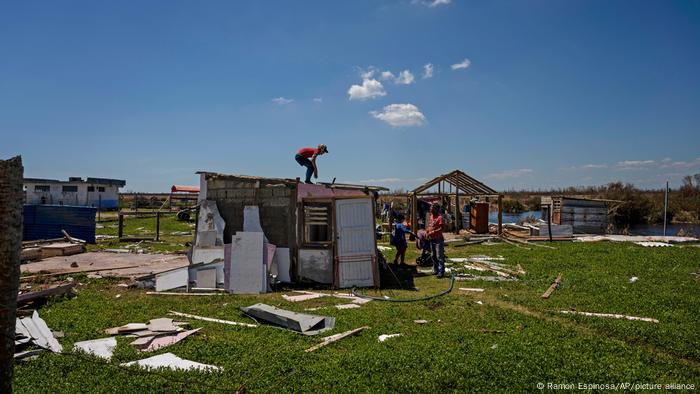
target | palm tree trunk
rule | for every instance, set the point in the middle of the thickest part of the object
(11, 200)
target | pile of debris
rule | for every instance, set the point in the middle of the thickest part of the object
(45, 248)
(155, 334)
(250, 264)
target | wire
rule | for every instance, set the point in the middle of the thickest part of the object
(452, 283)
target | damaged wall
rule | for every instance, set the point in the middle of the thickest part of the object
(276, 199)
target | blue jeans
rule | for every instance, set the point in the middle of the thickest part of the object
(305, 162)
(437, 248)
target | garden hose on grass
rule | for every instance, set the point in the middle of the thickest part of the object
(452, 283)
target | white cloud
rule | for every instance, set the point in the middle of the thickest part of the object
(436, 3)
(428, 71)
(463, 65)
(388, 75)
(370, 88)
(282, 100)
(633, 164)
(432, 3)
(594, 166)
(318, 99)
(405, 77)
(509, 173)
(680, 164)
(400, 115)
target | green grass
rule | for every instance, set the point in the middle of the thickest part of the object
(146, 227)
(449, 354)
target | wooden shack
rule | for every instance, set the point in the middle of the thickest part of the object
(586, 216)
(455, 187)
(329, 229)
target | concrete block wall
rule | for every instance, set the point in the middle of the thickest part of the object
(277, 202)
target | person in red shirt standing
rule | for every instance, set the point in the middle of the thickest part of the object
(437, 241)
(306, 157)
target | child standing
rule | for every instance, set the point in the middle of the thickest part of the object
(398, 239)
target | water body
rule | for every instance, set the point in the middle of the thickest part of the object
(640, 229)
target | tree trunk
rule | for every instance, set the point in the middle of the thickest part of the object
(11, 200)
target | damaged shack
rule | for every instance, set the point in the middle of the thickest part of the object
(309, 233)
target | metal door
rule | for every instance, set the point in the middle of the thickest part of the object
(355, 247)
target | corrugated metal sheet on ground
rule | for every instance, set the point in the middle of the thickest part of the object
(47, 221)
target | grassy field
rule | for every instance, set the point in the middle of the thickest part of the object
(453, 352)
(172, 237)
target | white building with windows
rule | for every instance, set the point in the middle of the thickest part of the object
(92, 192)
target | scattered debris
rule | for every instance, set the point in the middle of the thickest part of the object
(127, 328)
(352, 298)
(167, 340)
(474, 289)
(635, 238)
(233, 323)
(306, 295)
(347, 306)
(169, 293)
(494, 346)
(488, 331)
(384, 337)
(469, 277)
(633, 279)
(299, 322)
(333, 338)
(36, 329)
(420, 321)
(103, 348)
(611, 315)
(651, 244)
(555, 285)
(169, 360)
(384, 248)
(26, 298)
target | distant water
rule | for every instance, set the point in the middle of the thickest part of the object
(641, 229)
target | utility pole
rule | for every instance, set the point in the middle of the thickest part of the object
(11, 200)
(665, 206)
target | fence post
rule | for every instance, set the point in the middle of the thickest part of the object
(11, 199)
(121, 225)
(158, 226)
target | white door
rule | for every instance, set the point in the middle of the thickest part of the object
(355, 241)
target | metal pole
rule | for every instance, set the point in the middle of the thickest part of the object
(158, 226)
(665, 206)
(121, 225)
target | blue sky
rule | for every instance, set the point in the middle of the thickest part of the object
(554, 93)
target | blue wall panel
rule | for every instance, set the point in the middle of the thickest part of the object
(47, 221)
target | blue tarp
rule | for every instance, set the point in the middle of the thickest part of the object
(47, 221)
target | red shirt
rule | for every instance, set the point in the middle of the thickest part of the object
(435, 226)
(308, 152)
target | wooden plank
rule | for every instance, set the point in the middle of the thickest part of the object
(77, 271)
(611, 315)
(232, 323)
(552, 287)
(334, 338)
(35, 295)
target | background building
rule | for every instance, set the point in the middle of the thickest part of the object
(93, 192)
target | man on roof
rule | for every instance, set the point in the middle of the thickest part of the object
(306, 157)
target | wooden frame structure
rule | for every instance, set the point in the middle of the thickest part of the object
(458, 184)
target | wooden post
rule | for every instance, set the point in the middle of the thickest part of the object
(458, 212)
(414, 213)
(121, 225)
(11, 199)
(500, 214)
(158, 226)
